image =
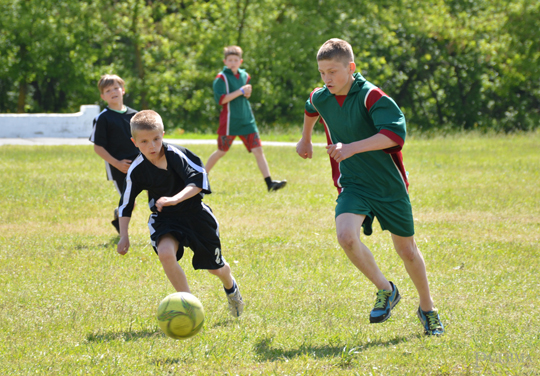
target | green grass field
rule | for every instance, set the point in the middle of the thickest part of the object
(70, 305)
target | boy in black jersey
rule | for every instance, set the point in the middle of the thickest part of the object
(111, 134)
(176, 180)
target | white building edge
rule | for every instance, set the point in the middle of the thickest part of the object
(74, 125)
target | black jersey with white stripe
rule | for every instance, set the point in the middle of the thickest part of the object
(112, 131)
(183, 168)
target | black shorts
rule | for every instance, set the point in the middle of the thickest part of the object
(116, 176)
(198, 230)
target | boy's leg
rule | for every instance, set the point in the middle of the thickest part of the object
(348, 227)
(166, 249)
(416, 268)
(272, 185)
(216, 156)
(414, 263)
(236, 303)
(224, 274)
(261, 161)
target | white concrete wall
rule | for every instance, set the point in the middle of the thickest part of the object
(78, 124)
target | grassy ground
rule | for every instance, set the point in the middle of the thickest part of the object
(70, 305)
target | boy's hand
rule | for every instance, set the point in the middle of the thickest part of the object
(123, 245)
(304, 148)
(123, 165)
(164, 201)
(339, 152)
(247, 90)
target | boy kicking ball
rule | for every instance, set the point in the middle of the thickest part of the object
(176, 180)
(366, 131)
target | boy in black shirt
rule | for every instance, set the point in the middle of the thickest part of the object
(176, 180)
(111, 134)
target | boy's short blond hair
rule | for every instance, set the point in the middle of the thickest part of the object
(232, 50)
(336, 49)
(109, 79)
(146, 120)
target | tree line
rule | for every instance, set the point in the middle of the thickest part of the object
(449, 64)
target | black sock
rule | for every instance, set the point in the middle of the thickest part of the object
(231, 290)
(268, 181)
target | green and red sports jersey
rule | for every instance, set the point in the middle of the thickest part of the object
(236, 117)
(365, 111)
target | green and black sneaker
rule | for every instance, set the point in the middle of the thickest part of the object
(386, 300)
(431, 322)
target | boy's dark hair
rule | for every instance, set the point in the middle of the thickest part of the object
(146, 120)
(336, 49)
(109, 79)
(232, 50)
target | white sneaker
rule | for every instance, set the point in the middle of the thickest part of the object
(236, 304)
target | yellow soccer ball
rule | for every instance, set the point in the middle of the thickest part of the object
(180, 315)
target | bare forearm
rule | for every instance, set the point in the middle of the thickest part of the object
(186, 193)
(183, 195)
(100, 150)
(376, 142)
(339, 152)
(309, 124)
(124, 225)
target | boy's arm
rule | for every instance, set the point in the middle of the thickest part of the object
(184, 194)
(244, 90)
(340, 152)
(304, 147)
(123, 244)
(122, 165)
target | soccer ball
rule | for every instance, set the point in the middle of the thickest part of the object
(180, 315)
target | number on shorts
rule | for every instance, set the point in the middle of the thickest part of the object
(218, 256)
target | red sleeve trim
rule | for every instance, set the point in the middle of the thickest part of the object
(248, 79)
(310, 114)
(221, 99)
(220, 75)
(373, 96)
(394, 137)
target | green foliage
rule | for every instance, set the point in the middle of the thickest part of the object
(449, 64)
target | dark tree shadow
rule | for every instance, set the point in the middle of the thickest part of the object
(264, 349)
(123, 335)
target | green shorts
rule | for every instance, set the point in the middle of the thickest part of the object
(394, 216)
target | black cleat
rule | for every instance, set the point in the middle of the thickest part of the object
(276, 184)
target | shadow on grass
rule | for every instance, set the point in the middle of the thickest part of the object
(86, 246)
(123, 336)
(264, 349)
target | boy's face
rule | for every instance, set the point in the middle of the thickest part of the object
(149, 143)
(233, 62)
(336, 75)
(113, 94)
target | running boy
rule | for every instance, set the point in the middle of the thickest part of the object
(231, 91)
(365, 131)
(176, 181)
(111, 134)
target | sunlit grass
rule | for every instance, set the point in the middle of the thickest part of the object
(70, 305)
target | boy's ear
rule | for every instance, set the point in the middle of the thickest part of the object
(352, 67)
(134, 142)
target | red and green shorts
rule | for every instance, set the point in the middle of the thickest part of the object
(251, 141)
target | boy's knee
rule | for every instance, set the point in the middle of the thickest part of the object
(347, 239)
(166, 255)
(408, 252)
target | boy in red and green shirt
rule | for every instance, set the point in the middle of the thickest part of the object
(365, 131)
(232, 91)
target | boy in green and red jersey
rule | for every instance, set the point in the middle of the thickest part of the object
(231, 91)
(365, 131)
